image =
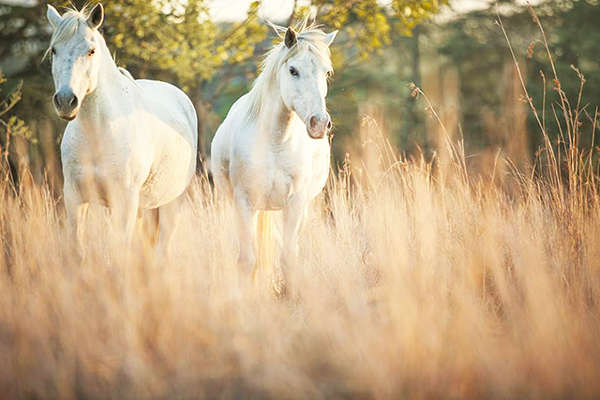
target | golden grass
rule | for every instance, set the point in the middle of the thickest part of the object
(429, 285)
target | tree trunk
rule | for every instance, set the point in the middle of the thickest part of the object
(198, 101)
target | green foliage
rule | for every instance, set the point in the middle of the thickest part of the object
(13, 126)
(184, 41)
(410, 13)
(373, 25)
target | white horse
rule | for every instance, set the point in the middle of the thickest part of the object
(130, 144)
(272, 150)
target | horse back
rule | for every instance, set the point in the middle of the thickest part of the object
(171, 105)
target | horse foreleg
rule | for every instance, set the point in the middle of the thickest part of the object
(169, 216)
(76, 212)
(292, 220)
(124, 215)
(244, 213)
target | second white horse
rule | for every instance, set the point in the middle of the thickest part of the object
(272, 151)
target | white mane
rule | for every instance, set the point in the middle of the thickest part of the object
(309, 38)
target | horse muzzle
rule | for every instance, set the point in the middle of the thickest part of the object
(318, 128)
(68, 118)
(66, 104)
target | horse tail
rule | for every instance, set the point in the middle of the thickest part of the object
(267, 239)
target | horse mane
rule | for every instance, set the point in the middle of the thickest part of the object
(309, 38)
(128, 75)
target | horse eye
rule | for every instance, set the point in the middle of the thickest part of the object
(328, 74)
(92, 52)
(53, 51)
(294, 72)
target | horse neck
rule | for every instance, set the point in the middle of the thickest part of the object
(275, 120)
(102, 101)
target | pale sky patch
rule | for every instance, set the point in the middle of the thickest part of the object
(280, 10)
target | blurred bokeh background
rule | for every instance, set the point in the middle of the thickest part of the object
(452, 49)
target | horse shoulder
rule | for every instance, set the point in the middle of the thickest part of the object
(230, 135)
(223, 144)
(70, 149)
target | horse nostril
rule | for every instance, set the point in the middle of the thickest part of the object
(313, 122)
(329, 125)
(55, 100)
(74, 102)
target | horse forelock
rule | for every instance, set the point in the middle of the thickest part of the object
(70, 24)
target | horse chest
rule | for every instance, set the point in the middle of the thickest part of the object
(98, 164)
(275, 179)
(280, 187)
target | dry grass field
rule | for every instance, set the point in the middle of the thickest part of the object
(415, 280)
(428, 284)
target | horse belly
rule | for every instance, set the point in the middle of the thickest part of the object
(169, 176)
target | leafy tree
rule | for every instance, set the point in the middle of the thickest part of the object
(10, 126)
(369, 23)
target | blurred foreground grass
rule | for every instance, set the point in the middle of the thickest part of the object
(426, 284)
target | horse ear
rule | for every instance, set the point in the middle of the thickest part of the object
(330, 37)
(53, 16)
(96, 16)
(290, 37)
